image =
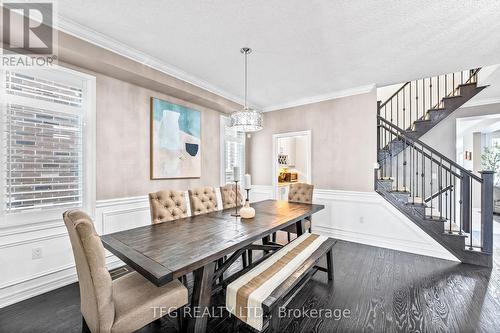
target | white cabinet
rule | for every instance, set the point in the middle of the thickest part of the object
(287, 146)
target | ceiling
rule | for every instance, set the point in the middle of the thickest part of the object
(304, 51)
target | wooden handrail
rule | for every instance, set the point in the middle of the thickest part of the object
(401, 133)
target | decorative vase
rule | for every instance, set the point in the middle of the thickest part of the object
(247, 212)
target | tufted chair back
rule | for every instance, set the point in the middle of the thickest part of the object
(167, 206)
(300, 192)
(228, 195)
(203, 200)
(96, 287)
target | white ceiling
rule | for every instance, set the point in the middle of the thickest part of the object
(304, 50)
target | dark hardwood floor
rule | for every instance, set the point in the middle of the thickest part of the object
(384, 290)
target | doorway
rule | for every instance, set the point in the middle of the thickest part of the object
(291, 161)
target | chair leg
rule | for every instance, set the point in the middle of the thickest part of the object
(329, 264)
(85, 327)
(244, 260)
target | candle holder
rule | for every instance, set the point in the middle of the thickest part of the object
(236, 214)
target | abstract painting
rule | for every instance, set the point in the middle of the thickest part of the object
(175, 141)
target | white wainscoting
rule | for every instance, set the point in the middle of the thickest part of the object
(362, 217)
(23, 277)
(365, 217)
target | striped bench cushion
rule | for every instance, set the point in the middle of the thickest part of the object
(245, 295)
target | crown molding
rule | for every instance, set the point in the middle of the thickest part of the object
(482, 101)
(89, 35)
(321, 98)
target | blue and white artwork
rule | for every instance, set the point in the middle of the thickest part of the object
(175, 141)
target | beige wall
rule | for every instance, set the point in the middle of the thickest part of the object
(123, 164)
(343, 141)
(443, 136)
(123, 92)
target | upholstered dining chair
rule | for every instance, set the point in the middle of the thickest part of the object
(203, 200)
(122, 305)
(167, 205)
(228, 195)
(300, 192)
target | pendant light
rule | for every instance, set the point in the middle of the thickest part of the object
(246, 120)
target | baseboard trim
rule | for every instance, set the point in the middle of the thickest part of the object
(396, 244)
(63, 277)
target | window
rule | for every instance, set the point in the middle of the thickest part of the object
(232, 151)
(47, 143)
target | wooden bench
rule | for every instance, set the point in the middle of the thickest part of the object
(255, 298)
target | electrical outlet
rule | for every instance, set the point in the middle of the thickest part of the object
(36, 253)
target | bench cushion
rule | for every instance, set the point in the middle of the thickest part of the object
(245, 295)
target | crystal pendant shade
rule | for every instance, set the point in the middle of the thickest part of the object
(246, 120)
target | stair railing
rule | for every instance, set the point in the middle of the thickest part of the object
(415, 98)
(445, 191)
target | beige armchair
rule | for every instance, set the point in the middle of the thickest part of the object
(167, 206)
(203, 200)
(228, 195)
(300, 192)
(123, 305)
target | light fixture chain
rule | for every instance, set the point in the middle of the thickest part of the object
(246, 79)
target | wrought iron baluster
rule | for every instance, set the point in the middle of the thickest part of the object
(470, 214)
(423, 172)
(440, 186)
(404, 109)
(438, 98)
(423, 98)
(410, 104)
(431, 183)
(430, 93)
(404, 164)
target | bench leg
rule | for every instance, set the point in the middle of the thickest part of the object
(329, 264)
(85, 328)
(289, 237)
(274, 237)
(236, 324)
(274, 322)
(250, 259)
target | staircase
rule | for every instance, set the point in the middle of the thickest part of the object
(451, 204)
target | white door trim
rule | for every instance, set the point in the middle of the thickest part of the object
(275, 170)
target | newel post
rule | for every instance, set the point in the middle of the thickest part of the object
(465, 201)
(487, 211)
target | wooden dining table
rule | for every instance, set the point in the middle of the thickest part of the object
(166, 251)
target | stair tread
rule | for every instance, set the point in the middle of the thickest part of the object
(417, 200)
(454, 96)
(467, 84)
(421, 120)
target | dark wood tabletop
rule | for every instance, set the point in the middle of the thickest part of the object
(165, 251)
